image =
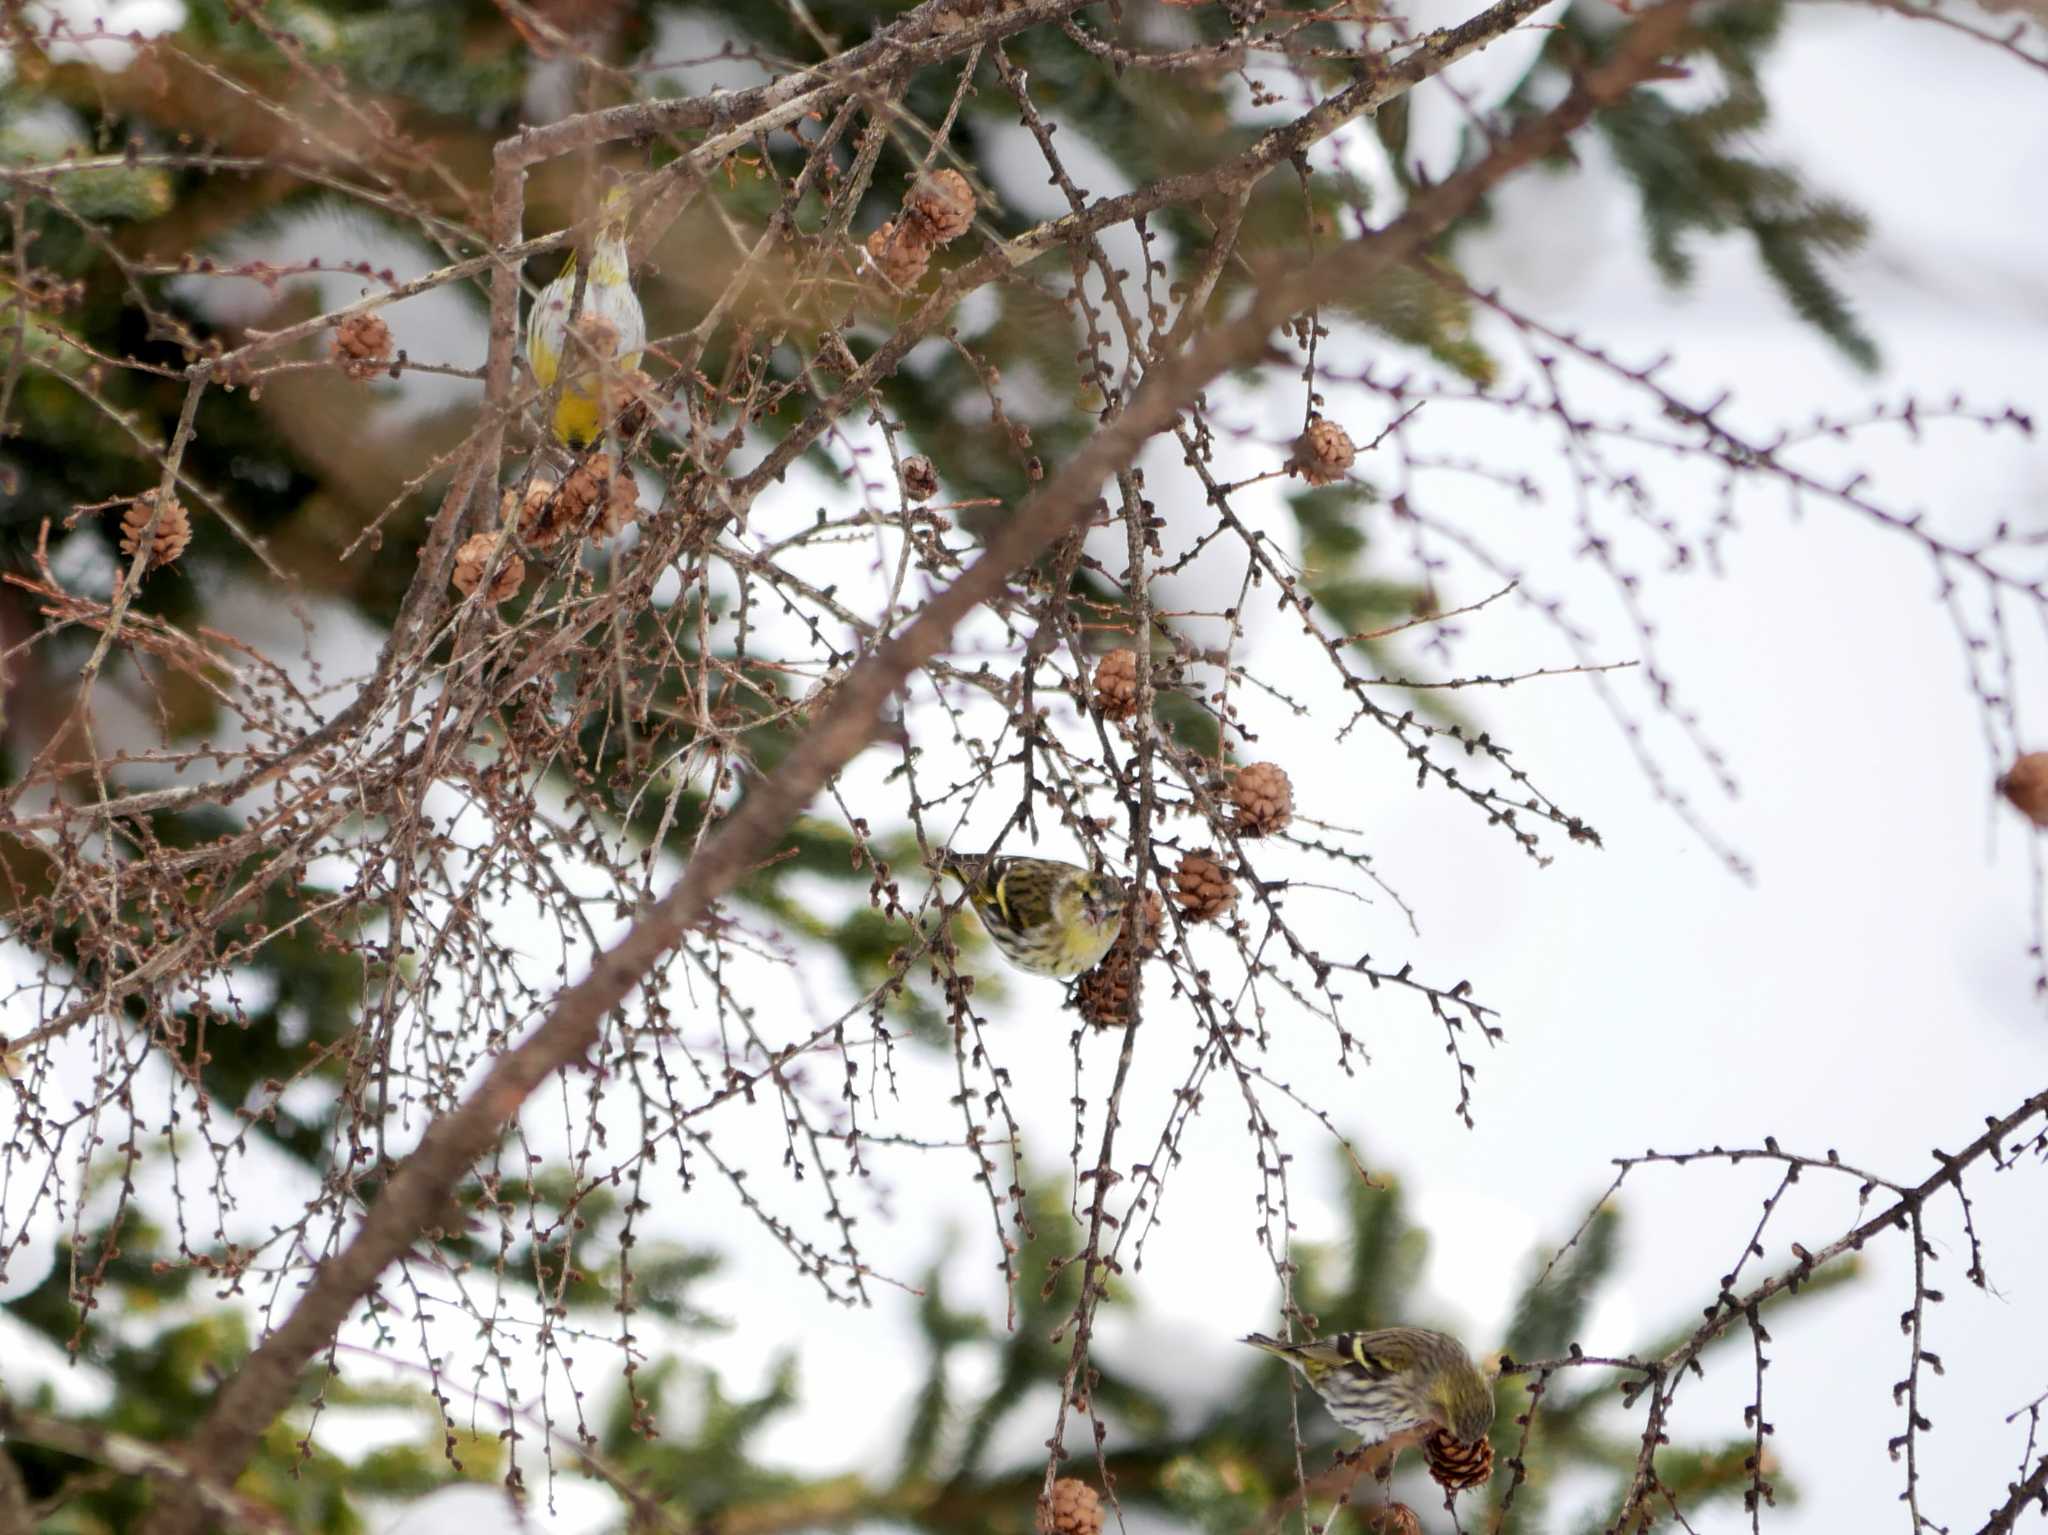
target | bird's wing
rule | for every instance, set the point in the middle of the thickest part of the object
(985, 887)
(1370, 1355)
(998, 888)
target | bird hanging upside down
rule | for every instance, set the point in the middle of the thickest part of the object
(1044, 916)
(607, 339)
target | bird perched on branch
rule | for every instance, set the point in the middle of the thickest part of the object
(608, 335)
(1047, 917)
(1396, 1381)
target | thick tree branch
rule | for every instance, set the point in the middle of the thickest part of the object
(2033, 1490)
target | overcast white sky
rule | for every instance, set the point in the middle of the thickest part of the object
(1867, 992)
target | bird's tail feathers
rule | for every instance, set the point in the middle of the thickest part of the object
(1320, 1351)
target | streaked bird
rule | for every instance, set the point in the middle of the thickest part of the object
(1392, 1382)
(1047, 917)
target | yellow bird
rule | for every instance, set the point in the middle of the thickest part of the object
(611, 331)
(1044, 916)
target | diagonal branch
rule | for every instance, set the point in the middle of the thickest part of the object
(2033, 1490)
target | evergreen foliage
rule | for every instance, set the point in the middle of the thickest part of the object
(1698, 175)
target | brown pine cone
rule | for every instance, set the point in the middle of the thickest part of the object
(899, 254)
(2026, 785)
(1105, 994)
(940, 207)
(630, 399)
(1324, 452)
(474, 557)
(1394, 1519)
(1264, 800)
(173, 529)
(586, 488)
(621, 503)
(1203, 887)
(1458, 1466)
(1116, 685)
(542, 516)
(920, 479)
(1075, 1509)
(362, 346)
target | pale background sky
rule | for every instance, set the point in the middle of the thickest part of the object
(1868, 992)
